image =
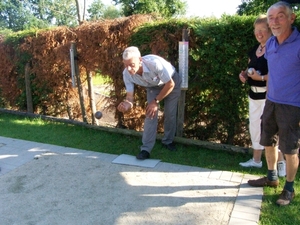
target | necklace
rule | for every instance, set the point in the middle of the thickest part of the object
(261, 48)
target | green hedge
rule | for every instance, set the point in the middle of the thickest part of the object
(216, 104)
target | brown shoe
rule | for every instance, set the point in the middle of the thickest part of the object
(262, 182)
(285, 198)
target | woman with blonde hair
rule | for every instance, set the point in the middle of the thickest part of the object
(256, 75)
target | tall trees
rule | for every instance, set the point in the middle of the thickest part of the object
(111, 12)
(256, 7)
(98, 10)
(63, 12)
(23, 14)
(80, 10)
(164, 8)
(16, 15)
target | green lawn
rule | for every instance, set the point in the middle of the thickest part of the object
(101, 141)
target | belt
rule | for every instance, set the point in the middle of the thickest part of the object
(258, 89)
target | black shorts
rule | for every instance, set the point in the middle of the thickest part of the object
(280, 125)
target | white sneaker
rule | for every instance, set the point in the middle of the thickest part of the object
(251, 163)
(281, 168)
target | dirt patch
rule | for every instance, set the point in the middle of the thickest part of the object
(103, 104)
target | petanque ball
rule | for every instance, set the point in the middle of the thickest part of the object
(98, 115)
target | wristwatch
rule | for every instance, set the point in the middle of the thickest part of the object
(157, 101)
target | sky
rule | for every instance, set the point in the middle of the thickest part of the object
(208, 8)
(204, 8)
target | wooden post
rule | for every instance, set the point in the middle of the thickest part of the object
(180, 114)
(28, 89)
(79, 86)
(91, 95)
(181, 101)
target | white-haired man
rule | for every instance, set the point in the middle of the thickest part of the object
(281, 116)
(162, 83)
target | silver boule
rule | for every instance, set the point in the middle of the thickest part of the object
(250, 71)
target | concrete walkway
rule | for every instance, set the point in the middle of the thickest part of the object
(47, 184)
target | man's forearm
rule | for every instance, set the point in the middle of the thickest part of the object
(167, 89)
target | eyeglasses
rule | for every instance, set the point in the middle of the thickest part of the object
(260, 30)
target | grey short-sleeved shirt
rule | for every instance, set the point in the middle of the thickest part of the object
(156, 72)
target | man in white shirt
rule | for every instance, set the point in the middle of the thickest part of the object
(162, 83)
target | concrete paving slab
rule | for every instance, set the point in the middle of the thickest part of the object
(48, 184)
(133, 161)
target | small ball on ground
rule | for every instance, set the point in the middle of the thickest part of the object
(98, 115)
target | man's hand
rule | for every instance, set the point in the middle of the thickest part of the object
(151, 109)
(124, 106)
